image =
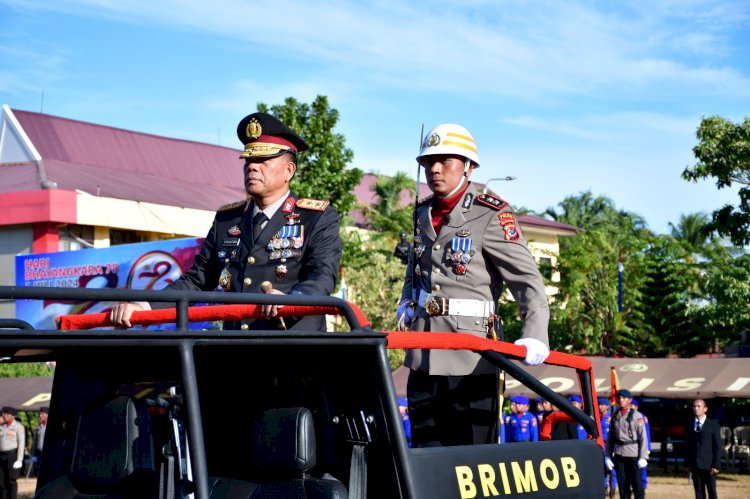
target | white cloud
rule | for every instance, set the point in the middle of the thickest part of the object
(527, 50)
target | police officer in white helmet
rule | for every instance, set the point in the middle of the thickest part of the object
(467, 246)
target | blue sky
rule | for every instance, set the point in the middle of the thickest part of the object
(566, 96)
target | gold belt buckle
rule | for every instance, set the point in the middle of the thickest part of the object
(436, 306)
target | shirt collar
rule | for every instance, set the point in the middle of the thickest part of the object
(271, 210)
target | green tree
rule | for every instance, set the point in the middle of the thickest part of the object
(323, 171)
(375, 282)
(723, 152)
(672, 284)
(725, 310)
(388, 216)
(693, 232)
(25, 369)
(585, 315)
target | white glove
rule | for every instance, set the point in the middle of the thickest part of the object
(17, 465)
(642, 463)
(536, 351)
(405, 314)
(608, 463)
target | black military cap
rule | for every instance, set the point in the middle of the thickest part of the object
(265, 136)
(9, 410)
(44, 409)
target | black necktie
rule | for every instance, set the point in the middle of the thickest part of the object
(698, 426)
(258, 220)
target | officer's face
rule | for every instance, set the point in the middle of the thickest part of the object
(603, 408)
(444, 172)
(623, 402)
(699, 408)
(267, 179)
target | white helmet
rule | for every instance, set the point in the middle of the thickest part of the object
(449, 138)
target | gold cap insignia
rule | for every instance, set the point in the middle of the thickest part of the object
(433, 140)
(253, 129)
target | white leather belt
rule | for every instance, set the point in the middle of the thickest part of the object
(437, 305)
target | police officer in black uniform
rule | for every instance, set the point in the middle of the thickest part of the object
(272, 242)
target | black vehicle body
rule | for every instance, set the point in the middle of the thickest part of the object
(204, 389)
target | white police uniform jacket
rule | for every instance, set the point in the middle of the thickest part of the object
(480, 248)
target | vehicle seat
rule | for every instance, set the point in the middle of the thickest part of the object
(113, 455)
(284, 450)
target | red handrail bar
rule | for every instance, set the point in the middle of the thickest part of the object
(395, 339)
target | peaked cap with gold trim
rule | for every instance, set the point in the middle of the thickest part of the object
(265, 136)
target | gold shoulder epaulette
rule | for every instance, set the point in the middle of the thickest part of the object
(312, 204)
(232, 206)
(491, 201)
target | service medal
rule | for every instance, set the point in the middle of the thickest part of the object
(225, 279)
(280, 271)
(285, 243)
(297, 242)
(460, 269)
(275, 255)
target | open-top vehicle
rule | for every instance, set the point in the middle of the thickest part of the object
(214, 413)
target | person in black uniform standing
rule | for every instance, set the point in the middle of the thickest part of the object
(271, 242)
(703, 459)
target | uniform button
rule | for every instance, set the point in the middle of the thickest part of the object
(250, 260)
(436, 287)
(436, 247)
(247, 281)
(244, 327)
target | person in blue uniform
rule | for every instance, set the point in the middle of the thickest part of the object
(270, 242)
(403, 409)
(576, 401)
(610, 478)
(521, 426)
(644, 474)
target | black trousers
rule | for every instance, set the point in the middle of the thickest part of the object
(629, 477)
(452, 410)
(704, 480)
(8, 476)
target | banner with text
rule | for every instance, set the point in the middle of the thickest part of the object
(151, 265)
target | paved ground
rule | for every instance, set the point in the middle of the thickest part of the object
(728, 486)
(26, 487)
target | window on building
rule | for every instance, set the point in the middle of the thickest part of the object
(75, 237)
(119, 236)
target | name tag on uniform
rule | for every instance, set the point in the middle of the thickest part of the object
(231, 241)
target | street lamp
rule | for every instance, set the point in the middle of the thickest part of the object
(506, 179)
